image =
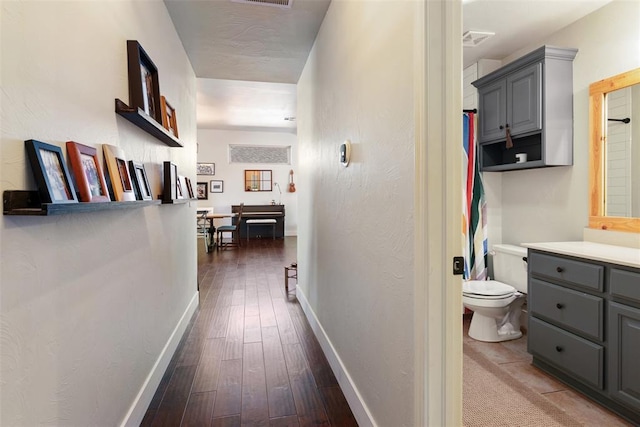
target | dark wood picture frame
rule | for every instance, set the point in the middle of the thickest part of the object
(144, 86)
(189, 188)
(170, 192)
(202, 190)
(169, 120)
(216, 186)
(50, 172)
(89, 179)
(140, 181)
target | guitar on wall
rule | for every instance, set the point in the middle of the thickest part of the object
(292, 186)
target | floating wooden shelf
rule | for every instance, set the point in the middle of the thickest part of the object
(146, 123)
(24, 202)
(177, 201)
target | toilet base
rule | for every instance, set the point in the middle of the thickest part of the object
(484, 328)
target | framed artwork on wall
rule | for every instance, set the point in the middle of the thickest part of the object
(170, 191)
(118, 173)
(206, 168)
(169, 120)
(216, 186)
(144, 86)
(89, 178)
(50, 172)
(140, 181)
(201, 191)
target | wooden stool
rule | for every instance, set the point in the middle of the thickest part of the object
(271, 222)
(293, 268)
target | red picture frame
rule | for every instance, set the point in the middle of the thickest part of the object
(92, 187)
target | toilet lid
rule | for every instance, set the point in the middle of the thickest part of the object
(488, 288)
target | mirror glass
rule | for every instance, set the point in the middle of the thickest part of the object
(257, 180)
(614, 156)
(622, 169)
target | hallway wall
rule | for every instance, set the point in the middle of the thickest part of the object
(88, 301)
(356, 225)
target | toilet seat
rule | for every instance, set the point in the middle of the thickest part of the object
(487, 289)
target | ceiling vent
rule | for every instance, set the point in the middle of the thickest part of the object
(474, 38)
(283, 4)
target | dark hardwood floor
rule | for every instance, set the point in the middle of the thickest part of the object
(249, 356)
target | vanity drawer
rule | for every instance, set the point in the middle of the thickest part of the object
(574, 355)
(577, 273)
(626, 284)
(565, 307)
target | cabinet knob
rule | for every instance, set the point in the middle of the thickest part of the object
(501, 127)
(559, 269)
(559, 349)
(559, 306)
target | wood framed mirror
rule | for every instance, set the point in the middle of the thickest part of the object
(614, 177)
(257, 180)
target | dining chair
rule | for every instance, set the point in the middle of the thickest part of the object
(234, 229)
(202, 228)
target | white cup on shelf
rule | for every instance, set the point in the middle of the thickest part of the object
(521, 157)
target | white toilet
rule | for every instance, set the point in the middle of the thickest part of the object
(497, 304)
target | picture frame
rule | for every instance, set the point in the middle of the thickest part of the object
(89, 179)
(202, 190)
(169, 120)
(140, 181)
(118, 173)
(144, 86)
(181, 187)
(170, 192)
(206, 168)
(50, 172)
(189, 188)
(216, 186)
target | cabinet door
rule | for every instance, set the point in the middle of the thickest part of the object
(624, 354)
(493, 115)
(524, 100)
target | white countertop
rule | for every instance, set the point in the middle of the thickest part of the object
(594, 251)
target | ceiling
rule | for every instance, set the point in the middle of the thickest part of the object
(248, 57)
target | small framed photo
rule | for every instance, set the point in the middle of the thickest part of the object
(89, 178)
(170, 191)
(181, 187)
(144, 86)
(189, 188)
(118, 173)
(169, 120)
(206, 168)
(140, 181)
(202, 191)
(216, 186)
(50, 172)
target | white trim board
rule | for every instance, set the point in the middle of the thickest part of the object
(356, 403)
(140, 404)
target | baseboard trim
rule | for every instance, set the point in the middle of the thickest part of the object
(356, 403)
(141, 402)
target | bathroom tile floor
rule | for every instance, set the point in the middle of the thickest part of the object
(512, 356)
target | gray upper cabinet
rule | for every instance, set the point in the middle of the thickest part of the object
(532, 99)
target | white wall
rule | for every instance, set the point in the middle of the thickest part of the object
(88, 301)
(355, 244)
(551, 204)
(213, 147)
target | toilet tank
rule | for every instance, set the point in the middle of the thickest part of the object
(509, 266)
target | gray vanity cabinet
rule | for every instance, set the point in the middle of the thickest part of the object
(584, 327)
(532, 98)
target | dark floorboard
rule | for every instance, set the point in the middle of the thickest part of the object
(249, 356)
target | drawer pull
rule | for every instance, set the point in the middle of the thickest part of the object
(559, 306)
(559, 349)
(559, 269)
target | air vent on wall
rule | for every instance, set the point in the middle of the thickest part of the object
(474, 38)
(283, 4)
